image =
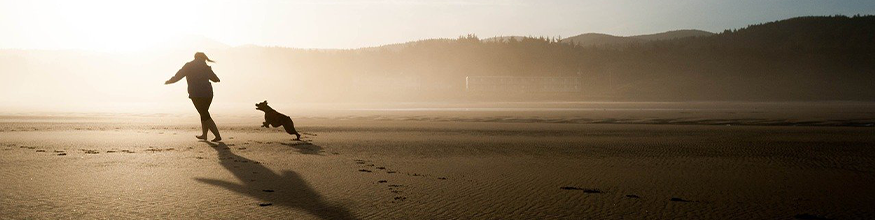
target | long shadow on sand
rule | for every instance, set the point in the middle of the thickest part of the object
(288, 189)
(305, 147)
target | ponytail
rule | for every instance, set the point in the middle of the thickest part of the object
(202, 56)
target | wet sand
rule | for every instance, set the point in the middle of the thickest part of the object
(423, 167)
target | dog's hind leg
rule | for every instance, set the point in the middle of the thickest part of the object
(290, 128)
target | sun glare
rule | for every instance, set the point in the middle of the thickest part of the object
(115, 25)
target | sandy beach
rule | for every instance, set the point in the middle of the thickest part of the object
(429, 167)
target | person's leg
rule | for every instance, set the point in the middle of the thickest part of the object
(215, 130)
(199, 104)
(211, 125)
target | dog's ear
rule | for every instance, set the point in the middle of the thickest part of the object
(265, 102)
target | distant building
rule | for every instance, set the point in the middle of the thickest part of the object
(522, 84)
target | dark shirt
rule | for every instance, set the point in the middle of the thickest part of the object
(198, 75)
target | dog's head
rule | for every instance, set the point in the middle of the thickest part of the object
(262, 106)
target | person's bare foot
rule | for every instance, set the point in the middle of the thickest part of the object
(202, 137)
(217, 139)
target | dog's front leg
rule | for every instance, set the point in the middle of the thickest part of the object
(264, 124)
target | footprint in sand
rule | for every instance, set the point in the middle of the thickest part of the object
(365, 171)
(40, 151)
(382, 181)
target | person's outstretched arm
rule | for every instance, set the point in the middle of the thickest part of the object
(213, 76)
(179, 75)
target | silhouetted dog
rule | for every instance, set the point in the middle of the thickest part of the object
(276, 119)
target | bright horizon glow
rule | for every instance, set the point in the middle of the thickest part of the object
(108, 25)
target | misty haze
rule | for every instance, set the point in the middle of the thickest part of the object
(437, 109)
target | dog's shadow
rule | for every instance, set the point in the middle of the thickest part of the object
(305, 147)
(288, 189)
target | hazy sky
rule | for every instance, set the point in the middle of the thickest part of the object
(123, 25)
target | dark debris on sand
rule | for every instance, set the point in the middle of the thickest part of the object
(809, 217)
(265, 204)
(675, 199)
(633, 196)
(365, 171)
(583, 189)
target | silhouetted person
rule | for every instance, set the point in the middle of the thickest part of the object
(198, 75)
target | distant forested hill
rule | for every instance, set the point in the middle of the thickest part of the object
(806, 58)
(595, 39)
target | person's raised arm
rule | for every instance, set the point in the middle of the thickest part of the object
(179, 75)
(213, 76)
